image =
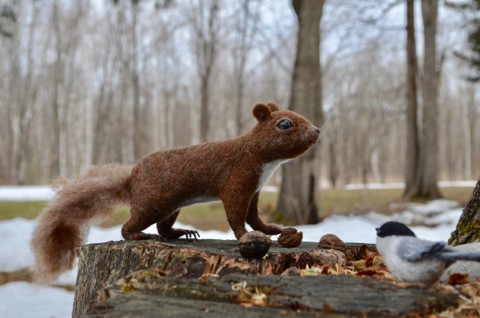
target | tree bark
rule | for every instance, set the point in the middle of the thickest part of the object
(427, 174)
(206, 30)
(412, 153)
(138, 123)
(101, 265)
(205, 107)
(467, 229)
(143, 293)
(332, 164)
(300, 178)
(472, 120)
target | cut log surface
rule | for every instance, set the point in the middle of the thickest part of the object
(101, 265)
(149, 293)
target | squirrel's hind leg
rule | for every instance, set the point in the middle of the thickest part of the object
(165, 229)
(132, 230)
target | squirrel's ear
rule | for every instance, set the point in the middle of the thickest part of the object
(261, 112)
(273, 107)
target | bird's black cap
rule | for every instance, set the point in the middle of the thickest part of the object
(394, 228)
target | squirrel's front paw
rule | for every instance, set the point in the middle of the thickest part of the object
(190, 234)
(176, 233)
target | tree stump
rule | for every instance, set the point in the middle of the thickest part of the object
(148, 293)
(101, 265)
(468, 226)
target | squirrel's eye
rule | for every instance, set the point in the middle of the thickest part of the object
(284, 124)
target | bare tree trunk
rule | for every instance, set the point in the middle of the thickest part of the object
(332, 164)
(25, 90)
(467, 134)
(297, 201)
(428, 172)
(247, 27)
(472, 120)
(412, 147)
(205, 28)
(138, 124)
(56, 105)
(204, 107)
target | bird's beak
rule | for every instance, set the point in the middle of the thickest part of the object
(377, 229)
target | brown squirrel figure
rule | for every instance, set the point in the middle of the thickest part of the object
(159, 185)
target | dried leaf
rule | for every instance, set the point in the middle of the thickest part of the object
(369, 262)
(238, 263)
(327, 308)
(358, 265)
(206, 277)
(239, 286)
(366, 253)
(211, 265)
(471, 290)
(340, 269)
(268, 269)
(457, 279)
(291, 271)
(259, 298)
(369, 272)
(314, 271)
(325, 269)
(378, 261)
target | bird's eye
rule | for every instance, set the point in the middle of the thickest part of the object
(284, 124)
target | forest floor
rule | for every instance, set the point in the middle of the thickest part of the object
(212, 216)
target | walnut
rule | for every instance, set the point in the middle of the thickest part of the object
(254, 245)
(290, 238)
(332, 241)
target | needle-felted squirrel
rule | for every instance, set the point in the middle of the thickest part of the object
(159, 185)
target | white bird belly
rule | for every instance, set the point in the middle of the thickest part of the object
(427, 271)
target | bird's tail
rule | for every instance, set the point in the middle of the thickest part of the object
(78, 204)
(460, 256)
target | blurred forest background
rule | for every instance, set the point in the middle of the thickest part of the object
(90, 82)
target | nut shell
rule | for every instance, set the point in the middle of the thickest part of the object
(254, 245)
(288, 239)
(332, 241)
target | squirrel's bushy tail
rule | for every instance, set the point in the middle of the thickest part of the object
(78, 204)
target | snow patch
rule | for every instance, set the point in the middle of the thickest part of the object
(26, 193)
(401, 185)
(22, 299)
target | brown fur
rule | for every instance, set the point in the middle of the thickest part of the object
(160, 184)
(78, 203)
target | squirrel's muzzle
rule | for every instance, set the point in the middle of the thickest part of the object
(313, 134)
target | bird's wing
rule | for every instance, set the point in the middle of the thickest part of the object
(412, 249)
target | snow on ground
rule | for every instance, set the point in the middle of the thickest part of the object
(25, 300)
(401, 185)
(21, 299)
(26, 193)
(46, 193)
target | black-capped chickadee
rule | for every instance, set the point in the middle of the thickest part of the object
(410, 259)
